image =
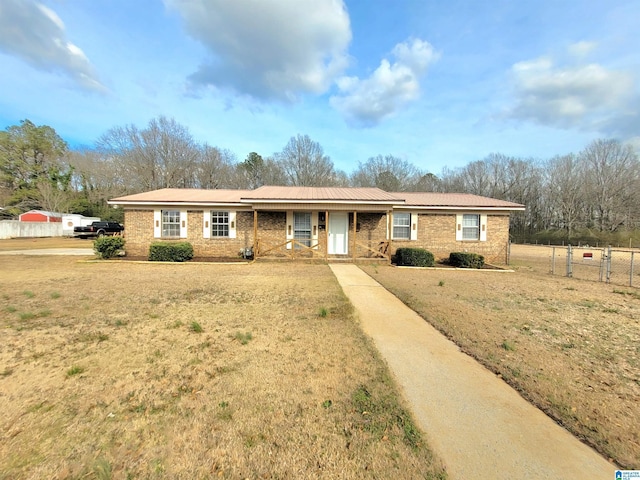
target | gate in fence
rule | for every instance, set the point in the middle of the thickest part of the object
(602, 264)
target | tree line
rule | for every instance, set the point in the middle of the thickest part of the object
(589, 196)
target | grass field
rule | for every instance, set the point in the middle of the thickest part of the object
(128, 370)
(39, 243)
(571, 347)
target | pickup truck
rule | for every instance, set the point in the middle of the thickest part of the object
(98, 229)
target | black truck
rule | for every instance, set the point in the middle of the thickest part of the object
(98, 229)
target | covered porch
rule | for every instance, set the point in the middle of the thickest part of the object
(332, 234)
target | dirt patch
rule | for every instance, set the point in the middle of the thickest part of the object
(569, 346)
(128, 370)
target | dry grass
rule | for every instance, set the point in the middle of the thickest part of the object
(126, 370)
(38, 243)
(571, 347)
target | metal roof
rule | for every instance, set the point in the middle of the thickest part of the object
(183, 195)
(310, 195)
(432, 199)
(320, 194)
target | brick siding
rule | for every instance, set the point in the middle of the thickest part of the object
(436, 233)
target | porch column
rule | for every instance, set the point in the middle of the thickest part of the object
(355, 229)
(389, 232)
(255, 234)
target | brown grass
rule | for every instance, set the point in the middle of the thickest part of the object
(571, 347)
(39, 243)
(126, 370)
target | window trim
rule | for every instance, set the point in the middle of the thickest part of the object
(481, 229)
(224, 225)
(473, 230)
(289, 233)
(165, 223)
(305, 240)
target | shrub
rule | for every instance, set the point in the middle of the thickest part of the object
(108, 247)
(466, 260)
(414, 257)
(170, 252)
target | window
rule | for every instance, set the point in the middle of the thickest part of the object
(302, 228)
(470, 227)
(402, 226)
(219, 224)
(170, 223)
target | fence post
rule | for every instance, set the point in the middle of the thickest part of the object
(631, 271)
(609, 264)
(603, 259)
(569, 261)
(553, 261)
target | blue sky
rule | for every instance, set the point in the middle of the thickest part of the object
(437, 83)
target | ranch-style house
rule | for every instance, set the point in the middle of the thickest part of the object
(326, 223)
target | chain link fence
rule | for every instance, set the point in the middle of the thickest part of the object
(610, 265)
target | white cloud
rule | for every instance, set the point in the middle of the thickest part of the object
(582, 49)
(586, 96)
(268, 48)
(365, 102)
(35, 34)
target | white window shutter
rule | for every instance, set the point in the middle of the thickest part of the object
(458, 227)
(233, 227)
(183, 224)
(206, 224)
(483, 228)
(414, 226)
(289, 228)
(157, 223)
(314, 228)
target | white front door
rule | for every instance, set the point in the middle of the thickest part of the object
(338, 233)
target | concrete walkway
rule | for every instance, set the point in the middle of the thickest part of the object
(478, 425)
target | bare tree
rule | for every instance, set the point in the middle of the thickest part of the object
(213, 168)
(565, 177)
(612, 183)
(305, 164)
(388, 173)
(162, 155)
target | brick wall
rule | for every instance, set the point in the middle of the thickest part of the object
(139, 234)
(437, 233)
(219, 247)
(372, 232)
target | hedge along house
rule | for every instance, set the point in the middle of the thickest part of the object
(327, 223)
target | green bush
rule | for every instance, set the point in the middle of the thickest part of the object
(414, 257)
(108, 247)
(466, 260)
(170, 252)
